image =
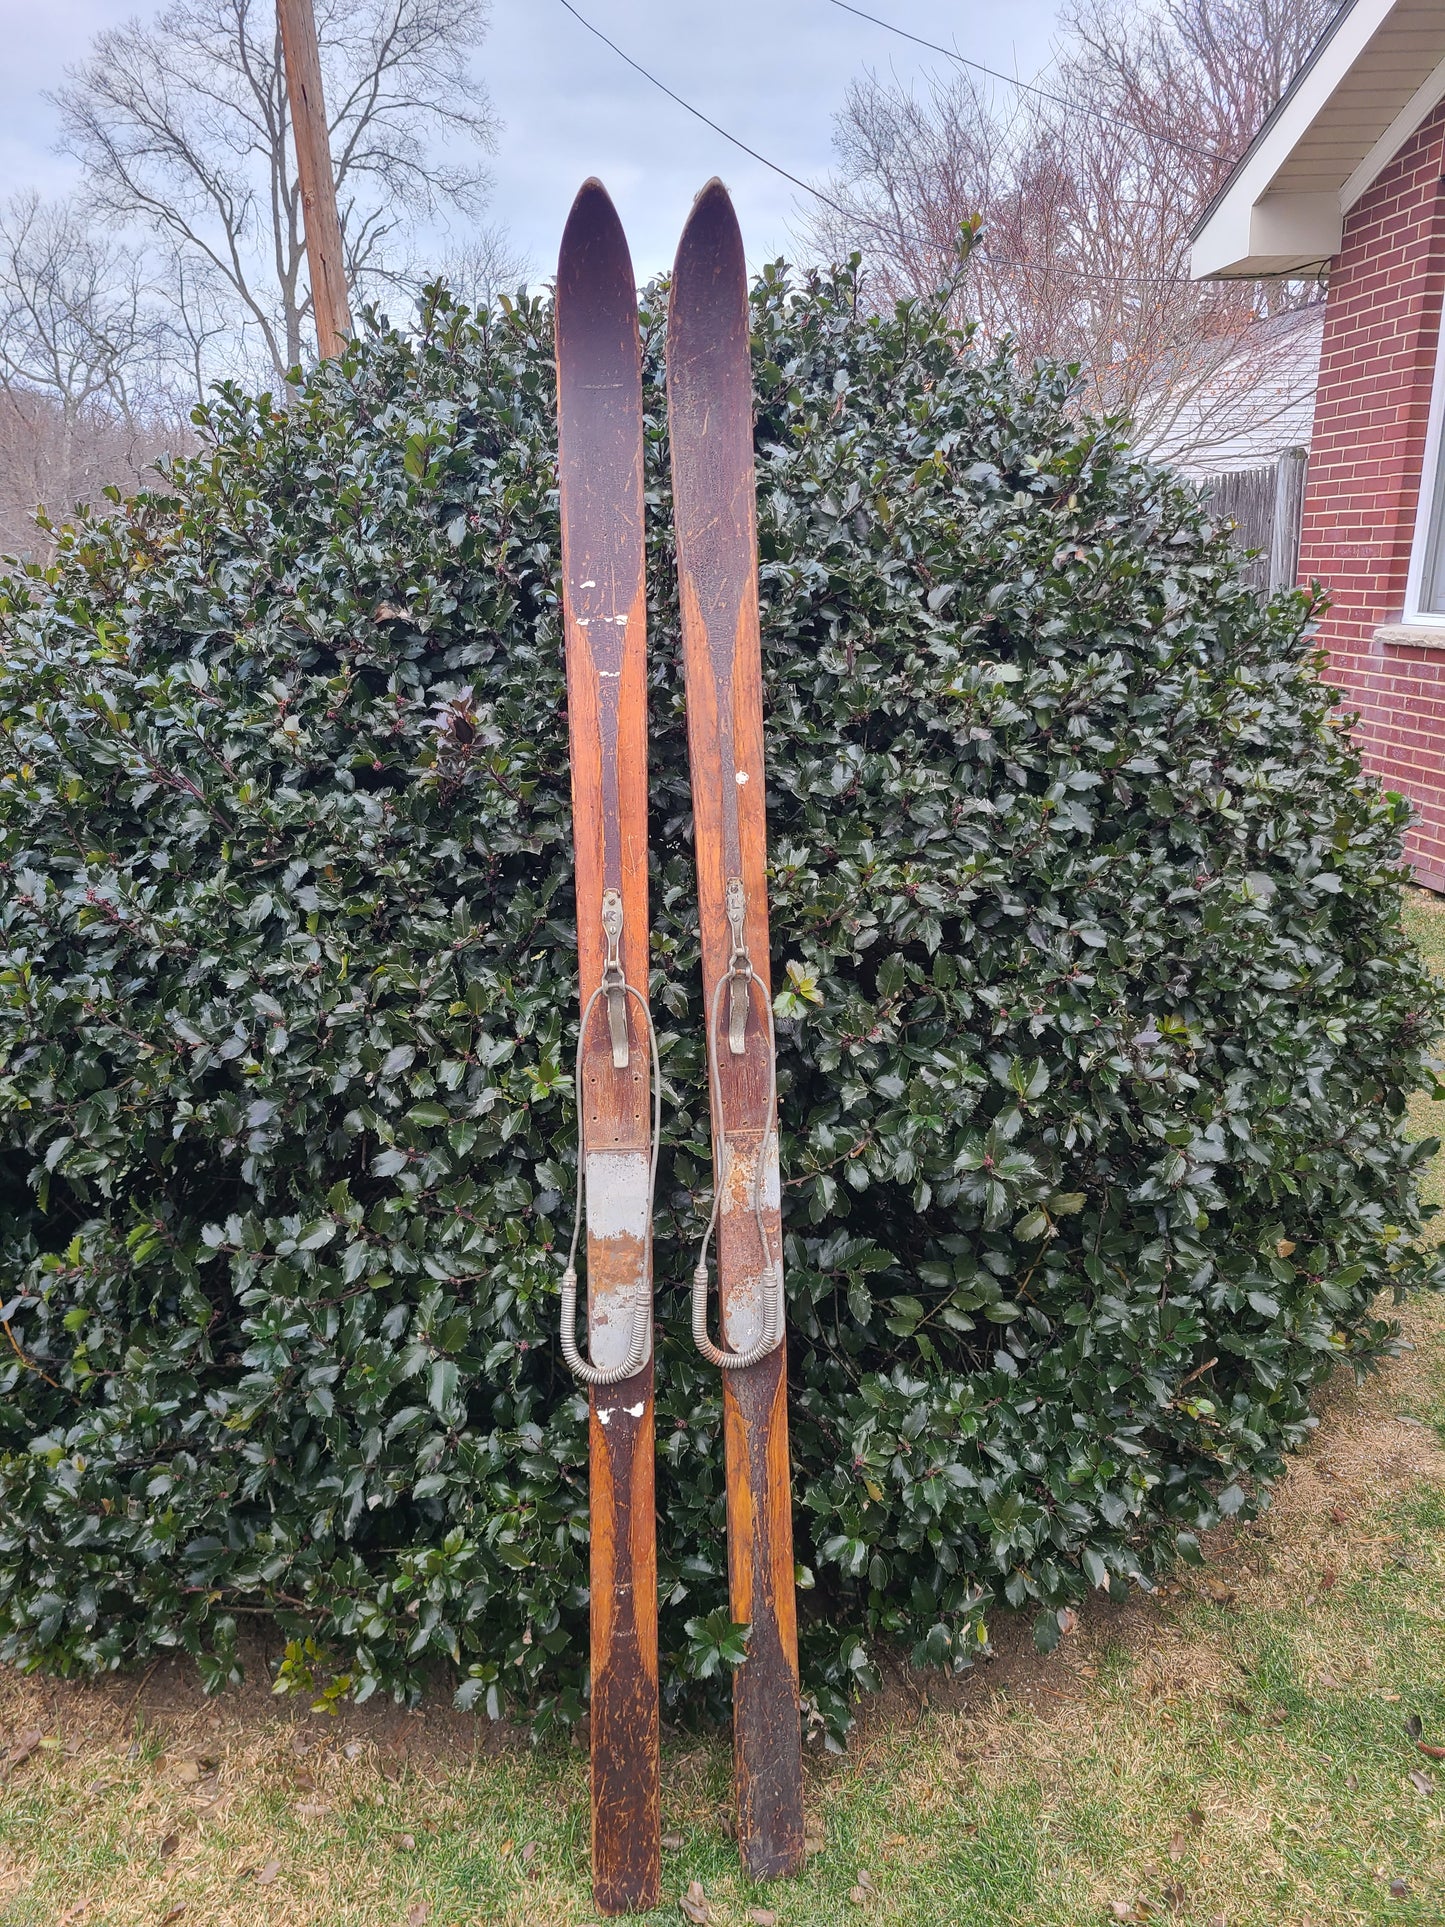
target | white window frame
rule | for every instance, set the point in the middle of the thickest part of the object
(1432, 484)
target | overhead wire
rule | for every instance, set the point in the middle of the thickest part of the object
(1028, 87)
(697, 112)
(1077, 275)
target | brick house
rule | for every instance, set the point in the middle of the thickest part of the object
(1346, 180)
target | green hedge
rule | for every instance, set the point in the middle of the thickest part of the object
(1097, 1029)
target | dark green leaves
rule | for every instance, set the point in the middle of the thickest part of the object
(1096, 1027)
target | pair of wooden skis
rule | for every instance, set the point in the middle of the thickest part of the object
(599, 391)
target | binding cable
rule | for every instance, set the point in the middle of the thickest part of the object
(581, 1368)
(740, 977)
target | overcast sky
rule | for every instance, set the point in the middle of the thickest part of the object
(773, 72)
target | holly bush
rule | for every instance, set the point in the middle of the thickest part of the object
(1097, 1025)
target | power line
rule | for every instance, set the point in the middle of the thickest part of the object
(1077, 275)
(698, 114)
(1026, 87)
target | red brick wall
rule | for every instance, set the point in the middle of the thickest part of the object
(1382, 323)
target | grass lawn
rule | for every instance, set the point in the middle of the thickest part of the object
(1242, 1750)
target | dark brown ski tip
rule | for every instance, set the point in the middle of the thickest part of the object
(712, 241)
(594, 262)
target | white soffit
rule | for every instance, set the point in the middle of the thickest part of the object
(1374, 75)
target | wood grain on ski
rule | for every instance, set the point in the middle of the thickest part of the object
(599, 394)
(710, 405)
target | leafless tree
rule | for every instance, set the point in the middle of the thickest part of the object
(183, 126)
(86, 389)
(76, 324)
(483, 266)
(1088, 200)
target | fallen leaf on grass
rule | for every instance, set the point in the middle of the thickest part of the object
(762, 1917)
(313, 1809)
(174, 1914)
(1068, 1619)
(814, 1837)
(168, 1846)
(1328, 1578)
(673, 1843)
(419, 1915)
(353, 1749)
(1339, 1515)
(1177, 1846)
(1216, 1590)
(694, 1905)
(265, 1875)
(1399, 1889)
(1414, 1726)
(1195, 1817)
(1421, 1782)
(406, 1841)
(1329, 1682)
(26, 1744)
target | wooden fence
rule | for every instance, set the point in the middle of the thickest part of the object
(1266, 506)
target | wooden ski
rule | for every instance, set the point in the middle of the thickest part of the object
(710, 409)
(599, 404)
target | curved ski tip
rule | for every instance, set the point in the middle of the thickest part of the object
(593, 222)
(712, 225)
(592, 205)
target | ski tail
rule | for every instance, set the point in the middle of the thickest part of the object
(600, 438)
(710, 409)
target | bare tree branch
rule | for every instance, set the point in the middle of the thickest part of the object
(183, 125)
(1084, 254)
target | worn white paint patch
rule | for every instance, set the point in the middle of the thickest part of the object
(772, 1178)
(587, 585)
(618, 1288)
(604, 1414)
(635, 1411)
(617, 1194)
(741, 775)
(746, 1310)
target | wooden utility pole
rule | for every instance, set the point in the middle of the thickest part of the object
(313, 163)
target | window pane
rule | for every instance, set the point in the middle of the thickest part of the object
(1432, 575)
